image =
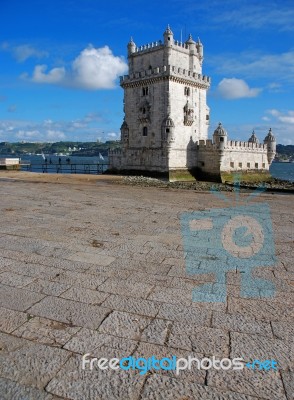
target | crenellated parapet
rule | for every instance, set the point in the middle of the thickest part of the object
(149, 47)
(240, 145)
(163, 72)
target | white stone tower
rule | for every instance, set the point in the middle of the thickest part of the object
(270, 142)
(165, 106)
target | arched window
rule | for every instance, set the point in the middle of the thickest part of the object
(145, 91)
(145, 131)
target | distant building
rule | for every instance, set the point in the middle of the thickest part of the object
(165, 128)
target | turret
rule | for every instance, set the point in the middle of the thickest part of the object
(131, 47)
(220, 137)
(191, 44)
(131, 50)
(253, 138)
(270, 142)
(168, 37)
(124, 129)
(199, 47)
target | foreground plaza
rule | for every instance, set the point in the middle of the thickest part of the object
(91, 265)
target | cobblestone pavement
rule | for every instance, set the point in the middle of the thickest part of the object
(99, 268)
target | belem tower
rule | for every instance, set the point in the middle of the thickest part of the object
(165, 128)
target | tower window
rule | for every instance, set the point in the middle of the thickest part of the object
(221, 139)
(167, 130)
(145, 91)
(207, 117)
(186, 91)
(145, 131)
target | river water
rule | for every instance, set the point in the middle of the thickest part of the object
(283, 171)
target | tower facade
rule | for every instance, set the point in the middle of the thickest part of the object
(164, 104)
(165, 127)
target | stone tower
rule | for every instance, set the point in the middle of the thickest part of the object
(166, 118)
(165, 106)
(270, 142)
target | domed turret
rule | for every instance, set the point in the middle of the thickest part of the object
(253, 138)
(167, 130)
(191, 44)
(190, 40)
(270, 141)
(131, 46)
(199, 47)
(220, 137)
(269, 137)
(168, 37)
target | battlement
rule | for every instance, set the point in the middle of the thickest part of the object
(148, 47)
(158, 44)
(231, 145)
(169, 70)
(236, 144)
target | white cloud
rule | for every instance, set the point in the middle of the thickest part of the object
(23, 52)
(55, 75)
(93, 69)
(287, 117)
(270, 15)
(97, 68)
(253, 64)
(83, 129)
(257, 16)
(113, 135)
(233, 88)
(54, 135)
(27, 134)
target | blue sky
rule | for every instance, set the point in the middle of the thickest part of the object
(60, 62)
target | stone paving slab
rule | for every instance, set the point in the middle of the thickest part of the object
(84, 295)
(13, 390)
(10, 320)
(132, 305)
(160, 387)
(125, 325)
(46, 331)
(203, 340)
(90, 341)
(193, 374)
(262, 384)
(16, 280)
(29, 363)
(252, 347)
(100, 269)
(239, 323)
(70, 312)
(18, 299)
(74, 383)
